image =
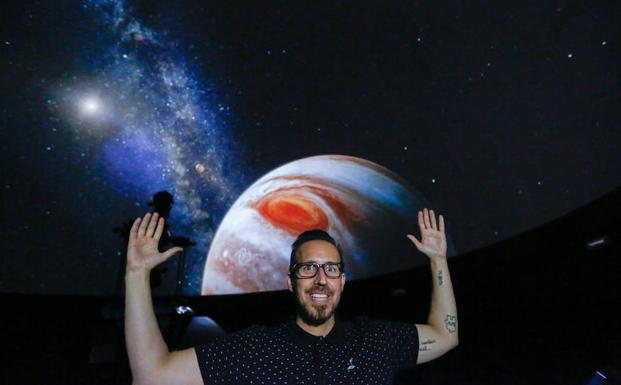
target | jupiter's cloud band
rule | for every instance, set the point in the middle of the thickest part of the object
(366, 207)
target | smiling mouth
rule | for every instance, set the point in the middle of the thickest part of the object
(319, 298)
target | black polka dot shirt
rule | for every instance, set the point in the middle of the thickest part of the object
(359, 352)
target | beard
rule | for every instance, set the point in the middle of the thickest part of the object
(314, 315)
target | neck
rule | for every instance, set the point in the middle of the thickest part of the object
(319, 330)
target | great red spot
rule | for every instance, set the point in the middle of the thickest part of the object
(292, 212)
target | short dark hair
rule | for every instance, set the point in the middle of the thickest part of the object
(313, 235)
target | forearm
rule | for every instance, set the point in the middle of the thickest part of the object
(145, 345)
(443, 310)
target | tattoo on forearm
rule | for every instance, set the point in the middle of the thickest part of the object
(440, 278)
(450, 323)
(426, 345)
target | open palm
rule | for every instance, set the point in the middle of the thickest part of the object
(433, 238)
(144, 237)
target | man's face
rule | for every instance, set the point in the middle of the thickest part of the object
(317, 298)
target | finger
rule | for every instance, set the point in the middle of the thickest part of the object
(415, 241)
(170, 252)
(421, 223)
(160, 228)
(152, 224)
(441, 223)
(426, 219)
(134, 230)
(143, 225)
(433, 220)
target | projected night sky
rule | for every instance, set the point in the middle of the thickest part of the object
(501, 117)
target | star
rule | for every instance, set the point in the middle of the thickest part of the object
(90, 105)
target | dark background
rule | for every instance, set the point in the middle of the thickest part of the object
(504, 115)
(539, 308)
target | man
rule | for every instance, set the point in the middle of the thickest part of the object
(315, 348)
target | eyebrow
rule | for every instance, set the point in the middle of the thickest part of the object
(318, 262)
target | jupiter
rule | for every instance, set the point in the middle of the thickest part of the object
(367, 208)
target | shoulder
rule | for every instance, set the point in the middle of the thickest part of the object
(248, 337)
(385, 327)
(237, 346)
(390, 333)
(399, 340)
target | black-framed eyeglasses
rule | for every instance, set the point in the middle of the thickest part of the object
(310, 269)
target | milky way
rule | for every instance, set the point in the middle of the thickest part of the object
(151, 118)
(504, 117)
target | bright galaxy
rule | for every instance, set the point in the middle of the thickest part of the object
(153, 123)
(265, 118)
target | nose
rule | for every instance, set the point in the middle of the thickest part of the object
(320, 278)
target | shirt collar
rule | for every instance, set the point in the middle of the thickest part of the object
(337, 336)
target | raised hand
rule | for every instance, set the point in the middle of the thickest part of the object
(433, 239)
(144, 236)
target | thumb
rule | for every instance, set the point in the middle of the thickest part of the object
(415, 241)
(170, 252)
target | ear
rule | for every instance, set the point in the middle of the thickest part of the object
(289, 283)
(342, 281)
